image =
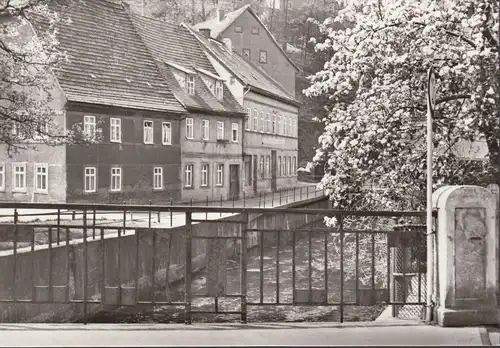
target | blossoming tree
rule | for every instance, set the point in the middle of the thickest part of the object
(374, 138)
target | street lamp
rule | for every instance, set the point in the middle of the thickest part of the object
(431, 102)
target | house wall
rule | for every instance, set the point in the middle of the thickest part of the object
(197, 152)
(136, 159)
(261, 144)
(277, 66)
(236, 89)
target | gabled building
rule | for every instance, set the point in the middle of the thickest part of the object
(112, 89)
(211, 132)
(252, 39)
(270, 134)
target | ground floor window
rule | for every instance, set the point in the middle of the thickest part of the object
(261, 166)
(19, 177)
(116, 179)
(220, 175)
(90, 184)
(204, 175)
(279, 165)
(2, 176)
(158, 178)
(41, 178)
(268, 165)
(188, 176)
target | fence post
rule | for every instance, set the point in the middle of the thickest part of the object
(243, 263)
(58, 226)
(206, 214)
(16, 218)
(221, 204)
(260, 194)
(149, 215)
(93, 226)
(85, 267)
(187, 269)
(244, 199)
(280, 196)
(171, 204)
(264, 200)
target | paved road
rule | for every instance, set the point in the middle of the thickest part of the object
(230, 335)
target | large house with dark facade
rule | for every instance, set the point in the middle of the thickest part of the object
(211, 132)
(253, 40)
(270, 141)
(113, 89)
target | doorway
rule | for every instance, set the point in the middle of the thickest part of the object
(234, 181)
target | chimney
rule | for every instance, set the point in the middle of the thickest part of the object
(220, 15)
(228, 44)
(205, 32)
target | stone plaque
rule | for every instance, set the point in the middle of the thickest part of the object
(470, 253)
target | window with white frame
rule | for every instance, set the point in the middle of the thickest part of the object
(261, 166)
(116, 179)
(41, 178)
(290, 127)
(19, 177)
(248, 119)
(205, 129)
(204, 174)
(166, 133)
(290, 165)
(285, 128)
(190, 84)
(89, 127)
(148, 132)
(294, 128)
(285, 166)
(234, 132)
(2, 176)
(188, 176)
(220, 175)
(189, 128)
(41, 130)
(255, 119)
(115, 130)
(274, 124)
(90, 180)
(279, 166)
(219, 89)
(294, 165)
(269, 123)
(220, 130)
(279, 126)
(268, 166)
(158, 178)
(262, 122)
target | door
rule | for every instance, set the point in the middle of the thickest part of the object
(273, 170)
(254, 176)
(234, 181)
(248, 170)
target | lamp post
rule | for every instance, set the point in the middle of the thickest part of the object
(431, 102)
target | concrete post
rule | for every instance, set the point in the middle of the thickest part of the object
(467, 262)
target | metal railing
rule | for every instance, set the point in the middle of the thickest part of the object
(83, 263)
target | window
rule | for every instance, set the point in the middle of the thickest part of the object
(279, 165)
(148, 132)
(189, 128)
(289, 3)
(220, 130)
(158, 178)
(238, 29)
(255, 30)
(188, 176)
(234, 132)
(41, 180)
(261, 166)
(294, 128)
(219, 90)
(2, 177)
(294, 165)
(248, 119)
(269, 123)
(232, 80)
(285, 167)
(290, 127)
(285, 128)
(90, 179)
(205, 129)
(262, 122)
(290, 165)
(246, 53)
(279, 126)
(116, 179)
(190, 84)
(263, 57)
(204, 175)
(41, 130)
(19, 177)
(255, 119)
(89, 126)
(166, 133)
(274, 124)
(268, 166)
(220, 175)
(115, 130)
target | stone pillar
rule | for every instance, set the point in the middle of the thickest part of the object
(467, 262)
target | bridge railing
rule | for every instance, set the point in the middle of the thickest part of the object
(240, 254)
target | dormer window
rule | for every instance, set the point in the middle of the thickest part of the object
(219, 90)
(190, 84)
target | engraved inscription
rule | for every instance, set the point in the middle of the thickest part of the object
(470, 253)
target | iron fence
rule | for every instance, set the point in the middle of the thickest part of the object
(221, 261)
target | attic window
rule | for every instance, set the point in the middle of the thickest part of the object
(238, 29)
(255, 31)
(232, 80)
(263, 57)
(219, 90)
(246, 53)
(190, 84)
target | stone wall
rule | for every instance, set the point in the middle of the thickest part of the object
(68, 265)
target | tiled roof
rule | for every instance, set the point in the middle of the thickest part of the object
(244, 70)
(217, 28)
(173, 46)
(109, 64)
